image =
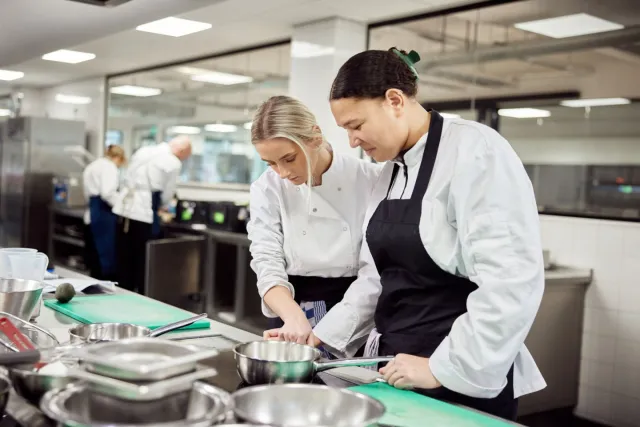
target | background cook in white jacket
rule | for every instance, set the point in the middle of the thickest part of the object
(453, 236)
(149, 184)
(305, 239)
(100, 183)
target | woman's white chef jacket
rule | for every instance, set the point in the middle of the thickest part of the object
(293, 232)
(151, 168)
(100, 178)
(479, 220)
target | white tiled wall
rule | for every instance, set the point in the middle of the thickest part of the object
(610, 366)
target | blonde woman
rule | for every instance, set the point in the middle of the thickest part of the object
(100, 182)
(307, 212)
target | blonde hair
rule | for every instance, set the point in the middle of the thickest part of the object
(114, 151)
(286, 117)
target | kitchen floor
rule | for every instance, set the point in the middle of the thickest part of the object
(556, 418)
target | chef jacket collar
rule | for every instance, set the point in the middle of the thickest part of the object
(412, 156)
(332, 176)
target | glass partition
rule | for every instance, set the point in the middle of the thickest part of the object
(557, 79)
(211, 100)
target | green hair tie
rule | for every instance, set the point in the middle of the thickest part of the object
(411, 59)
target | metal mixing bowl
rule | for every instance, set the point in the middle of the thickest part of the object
(106, 332)
(77, 406)
(20, 297)
(301, 405)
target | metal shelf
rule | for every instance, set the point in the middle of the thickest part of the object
(69, 240)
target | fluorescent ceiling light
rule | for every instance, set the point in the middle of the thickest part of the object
(596, 102)
(221, 78)
(221, 127)
(8, 75)
(4, 112)
(450, 115)
(135, 90)
(560, 27)
(68, 56)
(73, 99)
(523, 113)
(186, 130)
(174, 27)
(310, 50)
(247, 125)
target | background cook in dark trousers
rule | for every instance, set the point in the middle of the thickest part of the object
(149, 184)
(454, 236)
(307, 212)
(100, 181)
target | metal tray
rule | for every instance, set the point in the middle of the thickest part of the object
(142, 359)
(141, 391)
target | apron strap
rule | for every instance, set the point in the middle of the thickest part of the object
(429, 156)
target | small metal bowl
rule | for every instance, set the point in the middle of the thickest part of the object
(99, 332)
(76, 405)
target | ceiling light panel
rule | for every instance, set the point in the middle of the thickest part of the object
(596, 102)
(221, 78)
(174, 27)
(73, 99)
(186, 130)
(8, 75)
(130, 90)
(221, 127)
(523, 113)
(560, 27)
(4, 112)
(247, 125)
(68, 56)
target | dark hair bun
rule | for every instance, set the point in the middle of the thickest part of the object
(371, 73)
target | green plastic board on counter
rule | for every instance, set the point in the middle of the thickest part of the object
(123, 308)
(409, 409)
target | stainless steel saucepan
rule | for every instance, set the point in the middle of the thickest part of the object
(278, 362)
(101, 332)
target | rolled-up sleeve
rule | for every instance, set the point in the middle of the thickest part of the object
(344, 329)
(492, 205)
(265, 233)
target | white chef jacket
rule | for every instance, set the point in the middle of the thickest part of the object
(294, 232)
(480, 221)
(100, 178)
(151, 168)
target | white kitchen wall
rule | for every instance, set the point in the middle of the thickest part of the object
(610, 365)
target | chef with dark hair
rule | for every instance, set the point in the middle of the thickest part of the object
(452, 238)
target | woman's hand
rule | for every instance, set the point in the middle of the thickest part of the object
(296, 329)
(406, 371)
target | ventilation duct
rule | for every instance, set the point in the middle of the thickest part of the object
(534, 48)
(104, 3)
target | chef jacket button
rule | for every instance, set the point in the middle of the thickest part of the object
(304, 233)
(315, 210)
(344, 229)
(297, 188)
(339, 188)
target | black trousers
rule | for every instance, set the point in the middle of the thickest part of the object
(131, 252)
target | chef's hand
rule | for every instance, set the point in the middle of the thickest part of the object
(406, 371)
(296, 329)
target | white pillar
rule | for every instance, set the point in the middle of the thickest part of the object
(318, 50)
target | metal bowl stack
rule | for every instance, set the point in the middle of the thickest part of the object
(139, 382)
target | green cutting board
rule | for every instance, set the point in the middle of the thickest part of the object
(409, 409)
(123, 308)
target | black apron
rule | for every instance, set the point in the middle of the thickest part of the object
(419, 301)
(313, 288)
(103, 231)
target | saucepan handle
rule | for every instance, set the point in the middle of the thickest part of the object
(19, 358)
(355, 361)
